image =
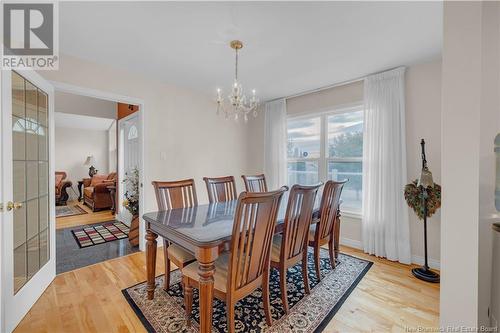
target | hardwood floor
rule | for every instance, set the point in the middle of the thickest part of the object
(90, 218)
(89, 299)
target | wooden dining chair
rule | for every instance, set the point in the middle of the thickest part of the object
(221, 189)
(246, 266)
(256, 183)
(172, 195)
(291, 247)
(324, 231)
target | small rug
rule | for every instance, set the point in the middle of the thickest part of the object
(101, 233)
(308, 313)
(62, 211)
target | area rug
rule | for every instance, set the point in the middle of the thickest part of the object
(308, 313)
(63, 211)
(100, 233)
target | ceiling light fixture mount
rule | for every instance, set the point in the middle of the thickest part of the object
(238, 104)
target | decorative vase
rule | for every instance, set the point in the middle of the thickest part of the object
(133, 234)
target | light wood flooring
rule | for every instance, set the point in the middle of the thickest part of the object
(90, 218)
(89, 299)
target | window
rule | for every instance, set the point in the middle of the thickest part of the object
(328, 146)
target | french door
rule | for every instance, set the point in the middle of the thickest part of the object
(27, 193)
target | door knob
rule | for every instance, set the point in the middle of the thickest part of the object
(13, 205)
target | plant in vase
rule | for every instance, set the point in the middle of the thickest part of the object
(131, 203)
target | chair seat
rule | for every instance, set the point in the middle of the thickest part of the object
(220, 276)
(276, 249)
(88, 191)
(180, 254)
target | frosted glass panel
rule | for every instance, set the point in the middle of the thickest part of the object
(30, 179)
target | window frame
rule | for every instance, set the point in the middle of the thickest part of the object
(323, 160)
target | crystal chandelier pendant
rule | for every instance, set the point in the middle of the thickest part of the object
(238, 104)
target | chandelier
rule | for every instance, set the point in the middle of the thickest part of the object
(238, 104)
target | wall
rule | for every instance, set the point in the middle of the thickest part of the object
(86, 106)
(112, 148)
(179, 125)
(470, 121)
(72, 148)
(423, 104)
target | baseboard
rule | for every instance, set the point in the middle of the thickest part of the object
(351, 243)
(420, 261)
(414, 258)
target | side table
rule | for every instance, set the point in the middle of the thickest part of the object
(112, 193)
(80, 187)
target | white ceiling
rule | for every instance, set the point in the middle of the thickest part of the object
(78, 121)
(290, 47)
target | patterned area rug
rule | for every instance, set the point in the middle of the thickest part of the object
(62, 211)
(101, 233)
(308, 313)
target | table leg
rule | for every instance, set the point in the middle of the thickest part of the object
(151, 262)
(337, 235)
(206, 270)
(80, 185)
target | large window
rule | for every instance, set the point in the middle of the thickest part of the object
(328, 146)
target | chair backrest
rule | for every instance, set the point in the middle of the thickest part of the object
(329, 206)
(60, 176)
(256, 183)
(221, 188)
(298, 220)
(253, 230)
(175, 194)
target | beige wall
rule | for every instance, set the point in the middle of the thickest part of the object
(72, 148)
(85, 106)
(423, 105)
(178, 124)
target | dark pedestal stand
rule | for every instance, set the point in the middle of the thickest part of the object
(424, 273)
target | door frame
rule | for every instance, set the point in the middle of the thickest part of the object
(35, 286)
(109, 96)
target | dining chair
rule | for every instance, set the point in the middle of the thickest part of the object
(221, 188)
(172, 195)
(291, 247)
(324, 231)
(255, 183)
(246, 266)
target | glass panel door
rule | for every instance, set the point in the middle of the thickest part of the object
(30, 163)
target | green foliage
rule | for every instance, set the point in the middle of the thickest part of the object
(347, 145)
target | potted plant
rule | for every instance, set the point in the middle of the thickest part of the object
(131, 203)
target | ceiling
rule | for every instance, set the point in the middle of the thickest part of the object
(289, 47)
(78, 121)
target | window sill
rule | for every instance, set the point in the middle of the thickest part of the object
(354, 215)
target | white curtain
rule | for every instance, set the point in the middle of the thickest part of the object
(275, 138)
(385, 221)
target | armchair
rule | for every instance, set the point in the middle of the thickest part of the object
(95, 192)
(61, 188)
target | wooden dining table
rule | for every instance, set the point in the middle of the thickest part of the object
(205, 231)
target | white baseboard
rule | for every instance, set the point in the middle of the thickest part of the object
(414, 258)
(351, 243)
(420, 261)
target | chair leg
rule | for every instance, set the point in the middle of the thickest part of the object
(331, 252)
(316, 261)
(284, 294)
(188, 299)
(230, 316)
(265, 297)
(166, 281)
(304, 272)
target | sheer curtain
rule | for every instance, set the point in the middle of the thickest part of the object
(275, 138)
(385, 223)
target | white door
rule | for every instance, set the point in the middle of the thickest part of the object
(129, 156)
(27, 179)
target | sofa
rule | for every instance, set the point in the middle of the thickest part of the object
(61, 188)
(95, 192)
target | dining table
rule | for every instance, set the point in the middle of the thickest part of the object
(205, 231)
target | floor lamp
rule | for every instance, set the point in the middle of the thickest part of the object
(425, 181)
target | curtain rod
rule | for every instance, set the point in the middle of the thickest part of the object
(338, 84)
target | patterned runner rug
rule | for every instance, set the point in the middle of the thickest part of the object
(101, 233)
(308, 313)
(62, 211)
